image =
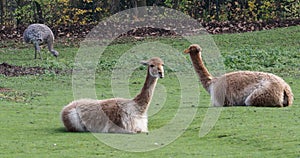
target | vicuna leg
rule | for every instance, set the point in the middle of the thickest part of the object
(218, 92)
(117, 129)
(72, 121)
(267, 94)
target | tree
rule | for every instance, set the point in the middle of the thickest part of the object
(141, 11)
(3, 9)
(38, 16)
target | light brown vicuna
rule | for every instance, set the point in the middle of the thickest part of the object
(242, 87)
(116, 115)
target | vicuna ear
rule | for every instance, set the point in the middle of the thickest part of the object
(144, 62)
(193, 48)
(197, 47)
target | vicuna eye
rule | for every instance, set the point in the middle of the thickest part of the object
(151, 65)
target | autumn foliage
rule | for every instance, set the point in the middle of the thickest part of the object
(58, 12)
(76, 17)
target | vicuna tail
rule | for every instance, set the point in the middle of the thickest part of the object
(288, 97)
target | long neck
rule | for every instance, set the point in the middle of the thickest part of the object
(50, 45)
(201, 70)
(143, 99)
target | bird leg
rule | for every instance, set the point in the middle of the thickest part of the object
(37, 50)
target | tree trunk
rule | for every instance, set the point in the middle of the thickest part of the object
(258, 13)
(39, 13)
(115, 6)
(176, 4)
(19, 3)
(141, 3)
(141, 12)
(3, 10)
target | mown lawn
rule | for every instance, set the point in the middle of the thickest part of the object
(30, 122)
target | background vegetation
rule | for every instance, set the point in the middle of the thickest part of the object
(69, 12)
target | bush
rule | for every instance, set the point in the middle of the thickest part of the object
(70, 12)
(237, 10)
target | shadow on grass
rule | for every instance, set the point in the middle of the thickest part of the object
(63, 130)
(60, 130)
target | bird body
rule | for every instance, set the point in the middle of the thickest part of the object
(38, 34)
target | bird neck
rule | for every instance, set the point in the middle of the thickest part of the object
(50, 45)
(204, 76)
(143, 99)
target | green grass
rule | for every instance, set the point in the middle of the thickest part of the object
(30, 123)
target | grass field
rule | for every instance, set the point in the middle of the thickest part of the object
(30, 123)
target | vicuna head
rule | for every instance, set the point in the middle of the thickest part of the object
(155, 67)
(194, 48)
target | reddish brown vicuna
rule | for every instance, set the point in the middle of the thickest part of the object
(240, 88)
(116, 115)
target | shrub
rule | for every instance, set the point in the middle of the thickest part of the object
(70, 12)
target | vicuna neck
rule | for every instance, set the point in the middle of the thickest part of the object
(143, 99)
(201, 70)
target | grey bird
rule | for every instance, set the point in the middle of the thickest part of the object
(38, 34)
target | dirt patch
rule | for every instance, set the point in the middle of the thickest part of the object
(148, 32)
(17, 96)
(12, 71)
(72, 32)
(4, 90)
